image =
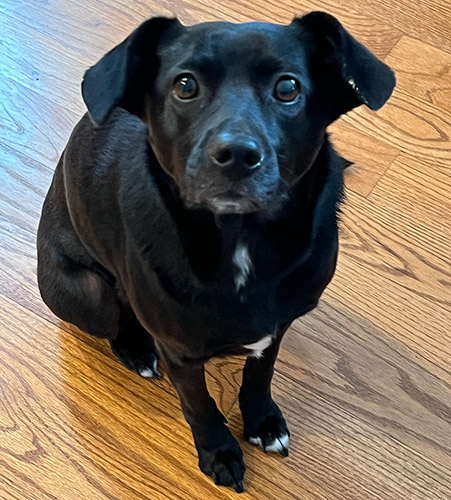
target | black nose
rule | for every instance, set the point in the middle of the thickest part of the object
(238, 157)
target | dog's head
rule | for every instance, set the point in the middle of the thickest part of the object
(237, 113)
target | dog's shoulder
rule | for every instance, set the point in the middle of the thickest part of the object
(122, 140)
(112, 160)
(107, 171)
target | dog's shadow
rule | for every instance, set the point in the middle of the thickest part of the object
(128, 428)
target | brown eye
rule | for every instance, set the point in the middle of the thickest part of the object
(287, 89)
(185, 87)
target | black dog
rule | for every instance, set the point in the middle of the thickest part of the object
(194, 211)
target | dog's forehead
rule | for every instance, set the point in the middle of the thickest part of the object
(219, 35)
(232, 42)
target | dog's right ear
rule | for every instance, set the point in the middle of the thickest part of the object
(121, 77)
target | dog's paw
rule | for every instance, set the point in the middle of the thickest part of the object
(271, 434)
(143, 363)
(272, 442)
(225, 466)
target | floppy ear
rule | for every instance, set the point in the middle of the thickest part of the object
(371, 80)
(121, 76)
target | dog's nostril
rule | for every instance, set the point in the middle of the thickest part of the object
(223, 156)
(238, 157)
(252, 158)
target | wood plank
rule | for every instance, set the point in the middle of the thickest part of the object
(409, 125)
(413, 199)
(422, 71)
(416, 120)
(380, 37)
(24, 185)
(429, 20)
(78, 439)
(101, 413)
(407, 317)
(106, 433)
(37, 127)
(371, 157)
(394, 261)
(369, 238)
(46, 66)
(96, 26)
(88, 27)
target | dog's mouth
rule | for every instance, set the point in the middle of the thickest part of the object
(226, 203)
(208, 189)
(235, 204)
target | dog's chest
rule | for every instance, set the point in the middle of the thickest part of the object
(257, 348)
(242, 268)
(242, 265)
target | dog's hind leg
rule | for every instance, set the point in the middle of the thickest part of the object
(76, 293)
(85, 298)
(135, 347)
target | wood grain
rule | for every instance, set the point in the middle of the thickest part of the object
(422, 71)
(78, 26)
(407, 124)
(35, 126)
(427, 20)
(47, 67)
(371, 157)
(364, 380)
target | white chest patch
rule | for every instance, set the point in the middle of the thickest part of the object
(243, 264)
(260, 346)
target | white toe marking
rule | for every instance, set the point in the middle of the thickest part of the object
(278, 445)
(260, 346)
(243, 264)
(150, 373)
(257, 441)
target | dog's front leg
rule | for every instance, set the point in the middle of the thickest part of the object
(264, 424)
(219, 453)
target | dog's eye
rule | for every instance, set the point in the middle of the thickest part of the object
(287, 89)
(185, 87)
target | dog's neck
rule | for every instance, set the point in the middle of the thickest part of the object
(220, 245)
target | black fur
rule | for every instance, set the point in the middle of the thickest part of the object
(153, 194)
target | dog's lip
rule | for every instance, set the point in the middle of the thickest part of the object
(229, 202)
(222, 205)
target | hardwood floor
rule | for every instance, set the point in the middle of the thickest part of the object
(364, 380)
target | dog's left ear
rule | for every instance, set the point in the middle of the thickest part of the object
(371, 80)
(121, 77)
